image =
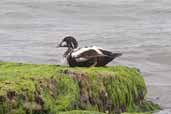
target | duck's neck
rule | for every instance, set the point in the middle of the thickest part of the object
(67, 52)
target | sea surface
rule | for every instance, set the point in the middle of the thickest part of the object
(140, 29)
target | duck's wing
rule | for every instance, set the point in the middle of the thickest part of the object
(86, 54)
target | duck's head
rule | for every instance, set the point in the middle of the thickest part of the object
(69, 42)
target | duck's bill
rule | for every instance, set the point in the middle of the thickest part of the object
(59, 46)
(62, 44)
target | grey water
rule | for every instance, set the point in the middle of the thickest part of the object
(140, 29)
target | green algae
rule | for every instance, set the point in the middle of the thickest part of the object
(137, 113)
(92, 112)
(80, 112)
(50, 89)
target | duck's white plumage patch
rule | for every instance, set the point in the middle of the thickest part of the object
(77, 52)
(63, 44)
(81, 59)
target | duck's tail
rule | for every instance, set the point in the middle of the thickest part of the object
(114, 55)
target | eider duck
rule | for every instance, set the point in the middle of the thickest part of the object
(87, 56)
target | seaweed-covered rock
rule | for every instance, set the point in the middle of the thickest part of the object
(92, 112)
(80, 112)
(50, 89)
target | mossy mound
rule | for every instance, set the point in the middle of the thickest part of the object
(138, 113)
(92, 112)
(80, 112)
(50, 89)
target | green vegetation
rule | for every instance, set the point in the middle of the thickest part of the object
(138, 113)
(80, 112)
(93, 112)
(52, 89)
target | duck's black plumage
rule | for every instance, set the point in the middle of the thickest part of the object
(87, 56)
